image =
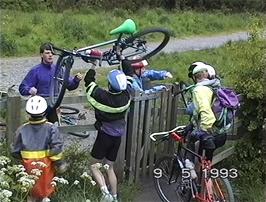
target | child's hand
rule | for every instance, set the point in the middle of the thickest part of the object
(168, 75)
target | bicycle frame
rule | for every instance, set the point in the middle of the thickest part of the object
(111, 56)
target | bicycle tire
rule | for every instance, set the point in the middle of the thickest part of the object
(60, 80)
(142, 38)
(71, 110)
(221, 190)
(169, 192)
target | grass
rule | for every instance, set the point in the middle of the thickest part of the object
(22, 33)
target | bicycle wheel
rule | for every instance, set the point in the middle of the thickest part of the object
(145, 43)
(170, 189)
(60, 80)
(220, 191)
(66, 110)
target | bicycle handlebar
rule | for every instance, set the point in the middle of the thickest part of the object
(179, 129)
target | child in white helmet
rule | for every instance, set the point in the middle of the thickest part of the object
(39, 141)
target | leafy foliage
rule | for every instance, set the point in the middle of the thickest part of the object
(8, 46)
(23, 32)
(59, 5)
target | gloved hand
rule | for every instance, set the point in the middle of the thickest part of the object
(168, 75)
(89, 77)
(33, 91)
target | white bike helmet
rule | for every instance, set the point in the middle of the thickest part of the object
(117, 79)
(192, 67)
(211, 71)
(36, 105)
(199, 68)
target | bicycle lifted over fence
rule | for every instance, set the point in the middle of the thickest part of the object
(128, 44)
(175, 182)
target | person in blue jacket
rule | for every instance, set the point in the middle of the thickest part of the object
(141, 75)
(38, 80)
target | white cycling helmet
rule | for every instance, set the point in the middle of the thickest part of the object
(36, 105)
(199, 68)
(211, 71)
(192, 67)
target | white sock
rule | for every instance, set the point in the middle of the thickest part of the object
(104, 190)
(114, 196)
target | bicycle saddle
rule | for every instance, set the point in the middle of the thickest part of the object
(127, 27)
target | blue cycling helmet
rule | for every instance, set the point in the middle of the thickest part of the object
(117, 79)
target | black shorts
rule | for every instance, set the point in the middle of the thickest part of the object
(105, 146)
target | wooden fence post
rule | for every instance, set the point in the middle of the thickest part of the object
(264, 151)
(13, 117)
(131, 144)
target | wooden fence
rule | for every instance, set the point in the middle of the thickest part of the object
(148, 113)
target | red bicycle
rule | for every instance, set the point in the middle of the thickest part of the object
(177, 179)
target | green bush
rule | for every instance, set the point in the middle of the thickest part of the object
(8, 46)
(61, 5)
(23, 30)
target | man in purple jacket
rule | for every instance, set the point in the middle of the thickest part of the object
(39, 78)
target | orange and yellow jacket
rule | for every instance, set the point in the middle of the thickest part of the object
(39, 141)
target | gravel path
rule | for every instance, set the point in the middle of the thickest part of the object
(13, 70)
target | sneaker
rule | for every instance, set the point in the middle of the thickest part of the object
(106, 198)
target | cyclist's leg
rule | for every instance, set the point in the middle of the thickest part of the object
(208, 145)
(191, 145)
(98, 153)
(110, 159)
(112, 177)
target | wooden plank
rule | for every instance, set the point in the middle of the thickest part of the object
(76, 128)
(150, 96)
(129, 141)
(162, 111)
(13, 117)
(74, 99)
(132, 140)
(139, 140)
(120, 161)
(170, 107)
(223, 155)
(146, 133)
(154, 127)
(163, 117)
